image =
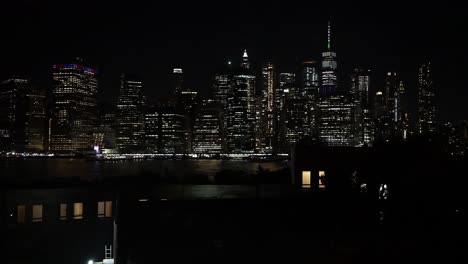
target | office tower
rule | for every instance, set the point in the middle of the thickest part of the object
(426, 101)
(173, 132)
(391, 95)
(220, 91)
(286, 82)
(222, 85)
(187, 101)
(22, 116)
(177, 80)
(293, 111)
(309, 84)
(336, 121)
(130, 122)
(335, 108)
(74, 108)
(266, 110)
(240, 130)
(245, 61)
(363, 122)
(207, 129)
(389, 118)
(165, 130)
(105, 134)
(403, 115)
(329, 67)
(152, 130)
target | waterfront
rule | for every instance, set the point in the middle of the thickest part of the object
(86, 170)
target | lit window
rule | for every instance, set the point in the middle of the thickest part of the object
(105, 209)
(63, 211)
(306, 179)
(21, 213)
(37, 213)
(321, 179)
(78, 211)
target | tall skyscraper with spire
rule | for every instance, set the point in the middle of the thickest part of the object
(245, 61)
(241, 129)
(335, 110)
(329, 66)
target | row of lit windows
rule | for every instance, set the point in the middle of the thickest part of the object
(104, 210)
(306, 179)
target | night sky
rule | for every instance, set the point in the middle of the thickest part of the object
(150, 39)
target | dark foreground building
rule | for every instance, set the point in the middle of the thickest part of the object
(343, 205)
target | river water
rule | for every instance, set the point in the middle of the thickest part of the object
(12, 169)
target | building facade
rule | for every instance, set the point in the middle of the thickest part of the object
(363, 122)
(22, 116)
(130, 119)
(74, 108)
(207, 129)
(241, 101)
(426, 105)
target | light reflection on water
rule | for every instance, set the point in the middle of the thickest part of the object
(85, 169)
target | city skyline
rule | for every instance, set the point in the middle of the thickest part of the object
(363, 38)
(249, 113)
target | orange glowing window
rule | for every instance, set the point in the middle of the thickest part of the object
(306, 179)
(78, 211)
(37, 213)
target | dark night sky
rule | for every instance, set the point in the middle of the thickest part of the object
(151, 38)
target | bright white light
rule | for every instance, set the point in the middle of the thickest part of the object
(229, 62)
(90, 262)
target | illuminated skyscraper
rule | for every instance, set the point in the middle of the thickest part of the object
(221, 88)
(187, 101)
(177, 80)
(287, 84)
(22, 116)
(293, 110)
(267, 109)
(336, 121)
(363, 121)
(245, 61)
(309, 84)
(240, 130)
(335, 109)
(329, 67)
(207, 129)
(403, 115)
(152, 130)
(130, 119)
(391, 117)
(426, 103)
(173, 133)
(74, 108)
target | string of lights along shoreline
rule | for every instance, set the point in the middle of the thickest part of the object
(245, 112)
